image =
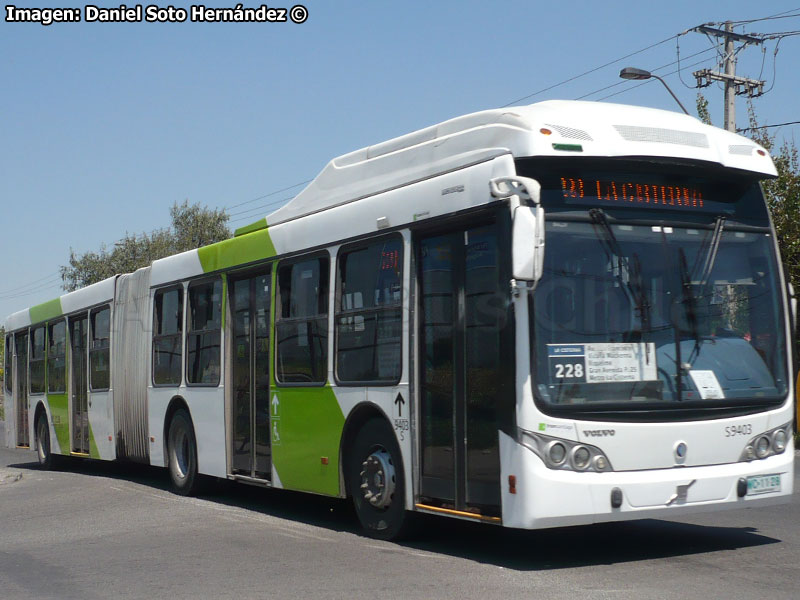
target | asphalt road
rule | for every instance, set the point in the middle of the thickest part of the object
(101, 530)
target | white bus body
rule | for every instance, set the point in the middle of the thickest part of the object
(370, 339)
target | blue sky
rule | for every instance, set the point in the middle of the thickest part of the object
(104, 126)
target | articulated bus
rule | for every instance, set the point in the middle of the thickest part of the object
(548, 315)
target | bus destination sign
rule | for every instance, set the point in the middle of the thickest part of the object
(631, 193)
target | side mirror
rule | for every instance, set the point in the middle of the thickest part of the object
(527, 243)
(527, 235)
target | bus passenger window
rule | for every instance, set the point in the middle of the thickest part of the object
(36, 361)
(203, 335)
(369, 320)
(167, 336)
(302, 322)
(99, 367)
(57, 357)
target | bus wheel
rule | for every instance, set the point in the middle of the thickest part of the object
(375, 477)
(43, 442)
(182, 454)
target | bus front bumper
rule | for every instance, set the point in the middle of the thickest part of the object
(543, 497)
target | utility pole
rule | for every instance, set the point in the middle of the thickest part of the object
(733, 85)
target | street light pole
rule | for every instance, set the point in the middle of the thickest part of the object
(637, 74)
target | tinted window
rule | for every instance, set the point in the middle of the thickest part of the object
(99, 378)
(302, 325)
(167, 330)
(37, 360)
(57, 357)
(369, 317)
(203, 337)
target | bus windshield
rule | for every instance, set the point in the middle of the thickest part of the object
(631, 316)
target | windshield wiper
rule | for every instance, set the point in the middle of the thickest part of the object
(702, 280)
(612, 249)
(690, 302)
(711, 255)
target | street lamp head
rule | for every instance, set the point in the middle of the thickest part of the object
(634, 73)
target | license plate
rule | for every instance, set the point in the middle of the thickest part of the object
(763, 484)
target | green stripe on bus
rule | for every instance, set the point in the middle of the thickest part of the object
(59, 413)
(260, 224)
(305, 434)
(45, 311)
(236, 251)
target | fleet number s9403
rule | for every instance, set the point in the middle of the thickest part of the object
(734, 430)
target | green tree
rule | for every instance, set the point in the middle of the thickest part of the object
(702, 109)
(192, 226)
(783, 195)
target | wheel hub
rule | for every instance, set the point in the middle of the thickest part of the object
(378, 479)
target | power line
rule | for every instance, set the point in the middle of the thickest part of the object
(633, 87)
(591, 70)
(768, 126)
(33, 290)
(255, 211)
(267, 195)
(623, 82)
(32, 283)
(780, 15)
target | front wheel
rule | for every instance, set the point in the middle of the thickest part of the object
(376, 482)
(182, 454)
(43, 442)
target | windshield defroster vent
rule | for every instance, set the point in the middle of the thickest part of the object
(633, 133)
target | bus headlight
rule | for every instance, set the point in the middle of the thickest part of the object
(779, 440)
(767, 444)
(580, 457)
(762, 446)
(558, 453)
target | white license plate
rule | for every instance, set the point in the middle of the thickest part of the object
(763, 484)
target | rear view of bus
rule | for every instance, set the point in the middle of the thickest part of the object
(657, 337)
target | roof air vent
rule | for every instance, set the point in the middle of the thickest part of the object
(633, 133)
(741, 149)
(569, 132)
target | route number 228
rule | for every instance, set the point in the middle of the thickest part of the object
(569, 371)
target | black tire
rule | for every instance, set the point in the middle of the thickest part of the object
(182, 454)
(43, 452)
(376, 482)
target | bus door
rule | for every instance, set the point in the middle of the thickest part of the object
(463, 312)
(21, 343)
(250, 306)
(79, 387)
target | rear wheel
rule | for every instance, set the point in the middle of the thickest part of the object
(182, 454)
(376, 482)
(43, 442)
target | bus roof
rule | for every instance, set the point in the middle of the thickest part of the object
(576, 127)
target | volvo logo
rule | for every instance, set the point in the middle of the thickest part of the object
(599, 432)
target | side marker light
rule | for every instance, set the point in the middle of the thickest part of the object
(512, 484)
